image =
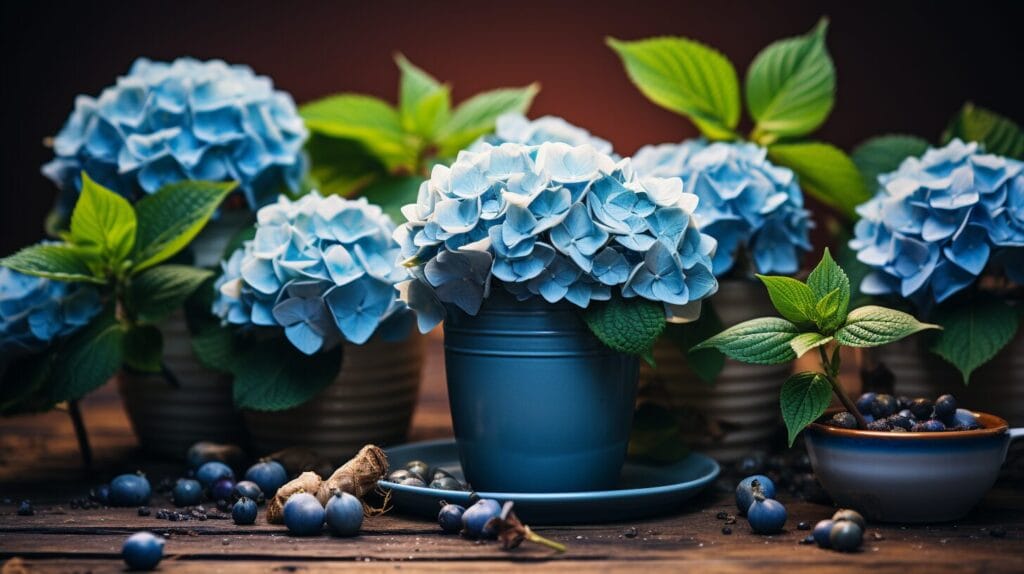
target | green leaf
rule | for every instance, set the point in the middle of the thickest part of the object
(871, 326)
(803, 399)
(706, 363)
(883, 154)
(61, 261)
(341, 166)
(170, 218)
(807, 341)
(370, 121)
(1000, 135)
(88, 359)
(824, 172)
(214, 347)
(628, 326)
(656, 436)
(476, 116)
(159, 291)
(973, 333)
(392, 192)
(144, 348)
(828, 278)
(423, 102)
(762, 341)
(104, 221)
(792, 298)
(271, 375)
(686, 77)
(791, 86)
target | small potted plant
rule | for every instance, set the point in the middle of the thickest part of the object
(170, 122)
(321, 351)
(888, 472)
(554, 267)
(751, 201)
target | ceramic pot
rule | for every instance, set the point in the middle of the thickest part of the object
(737, 414)
(538, 403)
(371, 401)
(909, 477)
(169, 418)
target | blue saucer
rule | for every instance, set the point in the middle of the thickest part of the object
(645, 490)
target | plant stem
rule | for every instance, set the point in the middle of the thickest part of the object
(826, 366)
(80, 434)
(538, 539)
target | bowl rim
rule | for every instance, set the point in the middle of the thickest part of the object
(991, 426)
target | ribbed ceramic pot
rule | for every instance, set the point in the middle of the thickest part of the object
(738, 413)
(371, 401)
(168, 419)
(538, 403)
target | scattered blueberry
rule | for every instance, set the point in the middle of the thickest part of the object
(745, 494)
(846, 536)
(187, 492)
(945, 408)
(269, 475)
(847, 515)
(247, 489)
(726, 530)
(476, 517)
(101, 494)
(803, 525)
(864, 403)
(844, 420)
(143, 551)
(921, 409)
(303, 515)
(809, 539)
(211, 472)
(344, 514)
(25, 508)
(883, 406)
(822, 532)
(129, 490)
(244, 511)
(144, 511)
(222, 489)
(450, 518)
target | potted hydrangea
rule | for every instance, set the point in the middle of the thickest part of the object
(170, 122)
(554, 267)
(322, 352)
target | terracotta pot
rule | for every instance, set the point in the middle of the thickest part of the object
(739, 413)
(371, 401)
(169, 419)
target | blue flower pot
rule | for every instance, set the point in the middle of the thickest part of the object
(538, 403)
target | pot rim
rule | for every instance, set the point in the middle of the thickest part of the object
(991, 426)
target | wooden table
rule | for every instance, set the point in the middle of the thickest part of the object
(39, 461)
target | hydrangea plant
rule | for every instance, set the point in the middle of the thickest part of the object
(320, 270)
(517, 128)
(559, 222)
(164, 123)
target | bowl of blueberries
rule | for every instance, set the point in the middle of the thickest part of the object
(918, 460)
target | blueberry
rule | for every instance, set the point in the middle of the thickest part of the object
(822, 532)
(844, 420)
(143, 551)
(187, 492)
(900, 421)
(412, 480)
(945, 408)
(846, 536)
(211, 472)
(101, 494)
(450, 518)
(303, 515)
(745, 493)
(803, 525)
(248, 489)
(930, 425)
(905, 413)
(440, 473)
(244, 511)
(766, 516)
(25, 508)
(446, 483)
(847, 515)
(129, 490)
(476, 517)
(864, 403)
(966, 419)
(344, 514)
(921, 409)
(419, 468)
(222, 489)
(903, 402)
(882, 425)
(269, 475)
(883, 406)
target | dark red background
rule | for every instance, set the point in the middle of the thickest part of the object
(902, 66)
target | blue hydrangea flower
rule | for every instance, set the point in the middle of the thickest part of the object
(34, 311)
(556, 221)
(321, 268)
(514, 127)
(746, 203)
(167, 122)
(937, 222)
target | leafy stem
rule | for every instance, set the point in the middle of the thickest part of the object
(832, 374)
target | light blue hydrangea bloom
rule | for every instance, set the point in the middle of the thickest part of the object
(555, 221)
(514, 127)
(936, 223)
(34, 311)
(321, 268)
(168, 122)
(746, 203)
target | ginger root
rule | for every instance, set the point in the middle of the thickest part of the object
(358, 476)
(306, 482)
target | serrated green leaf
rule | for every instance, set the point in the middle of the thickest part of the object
(825, 172)
(392, 192)
(705, 363)
(973, 333)
(423, 102)
(144, 348)
(762, 341)
(172, 217)
(272, 375)
(476, 116)
(104, 221)
(341, 166)
(159, 291)
(370, 121)
(806, 341)
(792, 298)
(62, 262)
(685, 77)
(628, 326)
(871, 326)
(88, 359)
(1000, 135)
(826, 312)
(826, 278)
(791, 86)
(803, 399)
(883, 154)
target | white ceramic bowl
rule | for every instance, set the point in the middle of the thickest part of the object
(909, 477)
